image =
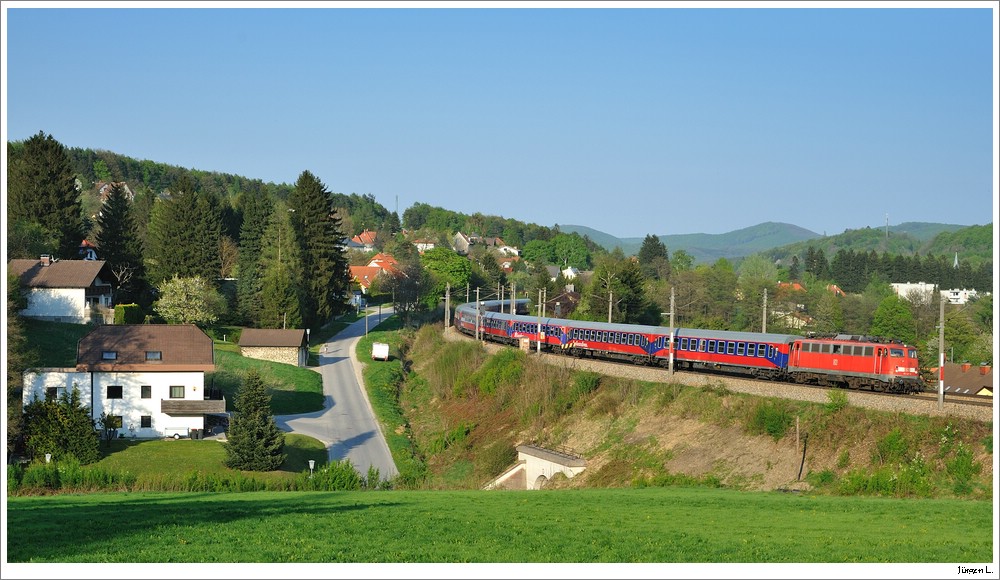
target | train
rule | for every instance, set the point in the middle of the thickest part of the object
(845, 361)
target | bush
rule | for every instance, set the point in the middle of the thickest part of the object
(503, 369)
(41, 476)
(837, 400)
(890, 449)
(962, 468)
(772, 418)
(128, 314)
(494, 459)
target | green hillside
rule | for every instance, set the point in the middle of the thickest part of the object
(974, 244)
(709, 247)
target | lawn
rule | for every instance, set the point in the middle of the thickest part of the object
(59, 340)
(293, 389)
(161, 459)
(589, 525)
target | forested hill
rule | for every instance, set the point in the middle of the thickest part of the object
(779, 241)
(974, 244)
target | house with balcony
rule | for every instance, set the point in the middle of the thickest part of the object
(77, 291)
(150, 377)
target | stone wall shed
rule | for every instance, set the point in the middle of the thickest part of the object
(286, 346)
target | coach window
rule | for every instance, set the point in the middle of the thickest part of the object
(684, 344)
(751, 349)
(730, 347)
(741, 348)
(711, 346)
(701, 345)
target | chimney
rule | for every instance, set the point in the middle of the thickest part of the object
(966, 367)
(984, 369)
(46, 259)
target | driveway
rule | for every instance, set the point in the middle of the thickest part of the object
(347, 424)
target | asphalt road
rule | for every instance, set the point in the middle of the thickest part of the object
(347, 424)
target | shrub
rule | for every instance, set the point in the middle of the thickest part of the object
(962, 468)
(825, 477)
(890, 449)
(844, 459)
(837, 400)
(772, 418)
(14, 475)
(492, 460)
(41, 476)
(128, 314)
(504, 369)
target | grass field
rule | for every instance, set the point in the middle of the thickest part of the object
(646, 525)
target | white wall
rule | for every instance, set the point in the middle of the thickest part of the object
(56, 302)
(131, 406)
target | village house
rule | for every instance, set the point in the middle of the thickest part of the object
(77, 291)
(380, 264)
(150, 377)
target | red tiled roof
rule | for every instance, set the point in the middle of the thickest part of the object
(366, 237)
(272, 337)
(365, 275)
(58, 274)
(182, 347)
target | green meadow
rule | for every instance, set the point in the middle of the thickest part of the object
(680, 525)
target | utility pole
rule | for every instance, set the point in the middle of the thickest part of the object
(447, 305)
(611, 293)
(467, 284)
(941, 353)
(763, 324)
(539, 341)
(478, 313)
(513, 296)
(670, 366)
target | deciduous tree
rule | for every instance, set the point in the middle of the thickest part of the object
(189, 301)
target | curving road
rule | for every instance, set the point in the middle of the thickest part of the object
(347, 424)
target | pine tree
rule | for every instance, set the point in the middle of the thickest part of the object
(184, 235)
(257, 208)
(326, 273)
(118, 244)
(63, 428)
(254, 442)
(653, 258)
(41, 188)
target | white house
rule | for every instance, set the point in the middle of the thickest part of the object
(64, 290)
(150, 376)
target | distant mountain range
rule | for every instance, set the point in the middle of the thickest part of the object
(781, 240)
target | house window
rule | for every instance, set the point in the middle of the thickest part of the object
(146, 421)
(114, 391)
(52, 393)
(154, 355)
(146, 391)
(176, 391)
(109, 355)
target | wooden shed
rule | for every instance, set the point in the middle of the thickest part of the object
(286, 346)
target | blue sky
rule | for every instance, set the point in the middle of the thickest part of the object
(656, 120)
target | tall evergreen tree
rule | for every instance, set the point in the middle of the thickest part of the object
(41, 188)
(327, 276)
(653, 258)
(184, 235)
(118, 244)
(254, 442)
(280, 271)
(257, 208)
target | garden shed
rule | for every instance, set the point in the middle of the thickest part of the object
(286, 346)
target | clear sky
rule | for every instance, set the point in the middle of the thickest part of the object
(658, 119)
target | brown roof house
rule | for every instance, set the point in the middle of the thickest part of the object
(151, 377)
(966, 379)
(77, 291)
(278, 345)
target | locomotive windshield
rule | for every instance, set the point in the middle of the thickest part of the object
(912, 353)
(895, 352)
